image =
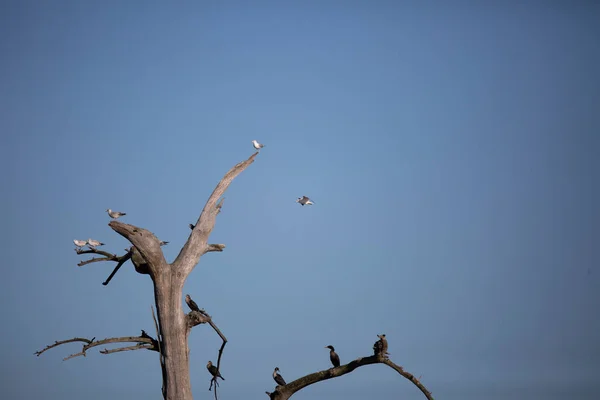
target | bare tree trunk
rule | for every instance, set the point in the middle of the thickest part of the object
(174, 334)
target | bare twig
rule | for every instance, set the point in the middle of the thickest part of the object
(162, 357)
(197, 243)
(136, 347)
(122, 260)
(143, 343)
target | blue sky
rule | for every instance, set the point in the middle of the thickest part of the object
(451, 151)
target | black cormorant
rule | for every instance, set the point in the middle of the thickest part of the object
(191, 303)
(213, 370)
(335, 359)
(278, 378)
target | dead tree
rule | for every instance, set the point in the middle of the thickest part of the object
(173, 326)
(284, 392)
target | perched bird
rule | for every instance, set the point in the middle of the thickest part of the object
(79, 243)
(257, 145)
(278, 378)
(335, 359)
(213, 370)
(192, 226)
(115, 214)
(93, 243)
(381, 346)
(304, 201)
(191, 303)
(162, 242)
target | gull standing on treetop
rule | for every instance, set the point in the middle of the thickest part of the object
(93, 243)
(79, 243)
(257, 145)
(115, 214)
(304, 201)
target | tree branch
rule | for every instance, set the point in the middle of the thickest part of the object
(214, 247)
(145, 242)
(286, 391)
(197, 243)
(144, 342)
(122, 261)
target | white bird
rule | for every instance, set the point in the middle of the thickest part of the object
(115, 214)
(79, 243)
(93, 243)
(257, 145)
(304, 201)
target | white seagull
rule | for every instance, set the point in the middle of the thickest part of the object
(257, 145)
(304, 201)
(115, 214)
(79, 243)
(93, 243)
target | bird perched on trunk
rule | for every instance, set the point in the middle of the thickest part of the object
(192, 226)
(115, 214)
(278, 378)
(79, 243)
(93, 243)
(191, 303)
(335, 359)
(304, 201)
(162, 242)
(257, 145)
(381, 346)
(213, 370)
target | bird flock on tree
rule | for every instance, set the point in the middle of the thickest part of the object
(380, 347)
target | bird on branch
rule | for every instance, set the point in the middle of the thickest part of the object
(115, 214)
(381, 346)
(192, 226)
(278, 378)
(213, 370)
(257, 145)
(93, 243)
(191, 303)
(79, 243)
(335, 359)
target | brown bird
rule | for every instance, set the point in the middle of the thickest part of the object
(213, 370)
(335, 359)
(381, 346)
(191, 303)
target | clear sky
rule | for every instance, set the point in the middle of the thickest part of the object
(451, 151)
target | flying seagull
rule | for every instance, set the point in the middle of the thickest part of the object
(257, 145)
(191, 303)
(278, 378)
(213, 370)
(335, 359)
(304, 201)
(115, 214)
(93, 243)
(79, 243)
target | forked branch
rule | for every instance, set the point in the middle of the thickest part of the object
(145, 242)
(197, 243)
(120, 260)
(143, 341)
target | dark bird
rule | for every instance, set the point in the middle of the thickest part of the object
(304, 201)
(381, 346)
(213, 370)
(335, 359)
(278, 378)
(192, 226)
(191, 304)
